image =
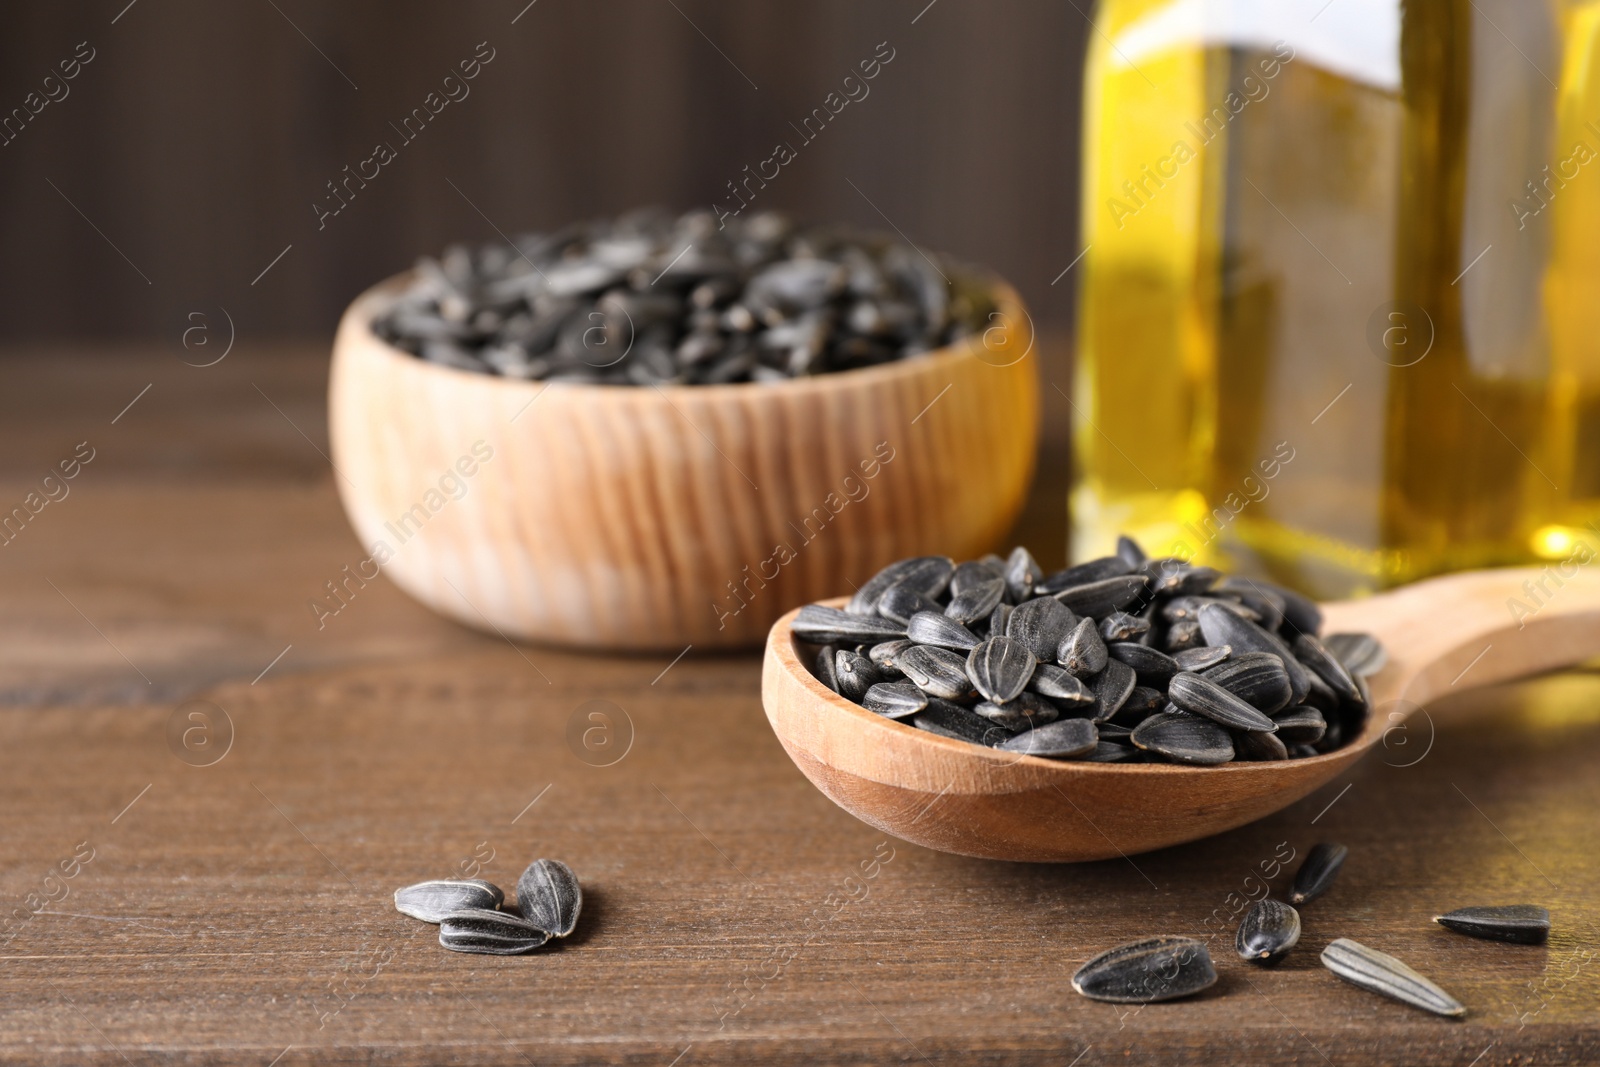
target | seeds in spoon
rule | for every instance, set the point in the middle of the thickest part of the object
(432, 901)
(1224, 627)
(1317, 872)
(1200, 695)
(1257, 678)
(1184, 738)
(1143, 972)
(1324, 665)
(1381, 973)
(1259, 747)
(490, 933)
(1267, 932)
(549, 897)
(1000, 667)
(1300, 726)
(1520, 924)
(1063, 739)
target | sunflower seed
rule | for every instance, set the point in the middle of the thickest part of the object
(900, 601)
(1257, 678)
(549, 897)
(1022, 574)
(490, 933)
(1300, 726)
(1521, 924)
(1111, 688)
(933, 628)
(1311, 652)
(1258, 747)
(1151, 665)
(999, 619)
(928, 575)
(894, 700)
(1253, 600)
(1103, 597)
(1267, 932)
(1142, 702)
(1198, 659)
(1300, 613)
(856, 674)
(1321, 697)
(1061, 685)
(1025, 712)
(1064, 739)
(1094, 570)
(1041, 624)
(970, 605)
(1317, 872)
(1114, 752)
(1173, 577)
(1143, 972)
(1224, 627)
(1361, 653)
(937, 672)
(1112, 731)
(1196, 693)
(1382, 973)
(1000, 667)
(952, 720)
(1129, 552)
(885, 653)
(1300, 751)
(1182, 636)
(829, 626)
(1120, 626)
(1184, 739)
(826, 673)
(975, 572)
(1082, 651)
(432, 901)
(1183, 608)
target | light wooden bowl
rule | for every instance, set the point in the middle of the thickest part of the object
(635, 518)
(1442, 635)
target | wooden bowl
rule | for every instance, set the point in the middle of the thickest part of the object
(653, 518)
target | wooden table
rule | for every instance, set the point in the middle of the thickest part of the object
(240, 911)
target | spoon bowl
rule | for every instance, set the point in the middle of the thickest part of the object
(1460, 631)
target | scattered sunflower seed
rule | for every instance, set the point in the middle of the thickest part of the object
(1062, 739)
(548, 896)
(1381, 973)
(1317, 872)
(1000, 667)
(895, 700)
(1267, 932)
(1143, 972)
(1520, 924)
(432, 901)
(490, 933)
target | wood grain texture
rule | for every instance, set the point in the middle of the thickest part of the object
(1457, 631)
(622, 517)
(728, 917)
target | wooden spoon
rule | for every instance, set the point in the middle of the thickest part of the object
(1455, 632)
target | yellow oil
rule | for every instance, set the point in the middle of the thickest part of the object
(1338, 324)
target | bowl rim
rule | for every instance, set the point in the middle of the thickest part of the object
(784, 653)
(356, 327)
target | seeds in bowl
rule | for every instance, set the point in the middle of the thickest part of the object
(648, 299)
(1124, 659)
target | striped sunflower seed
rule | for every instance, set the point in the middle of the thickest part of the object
(1101, 598)
(941, 631)
(971, 605)
(1025, 712)
(1095, 570)
(1379, 972)
(1253, 600)
(1222, 626)
(952, 720)
(1198, 694)
(1199, 659)
(1173, 577)
(1041, 624)
(432, 901)
(1317, 872)
(1361, 654)
(1257, 678)
(1022, 574)
(829, 626)
(1520, 924)
(549, 897)
(1060, 685)
(884, 653)
(1143, 972)
(1120, 626)
(999, 619)
(928, 575)
(1000, 667)
(490, 933)
(1182, 636)
(1300, 726)
(1258, 747)
(900, 601)
(1184, 739)
(1063, 739)
(1114, 752)
(938, 672)
(1111, 689)
(1129, 552)
(1324, 665)
(1267, 932)
(895, 700)
(827, 656)
(975, 572)
(1082, 651)
(856, 674)
(1153, 666)
(1142, 703)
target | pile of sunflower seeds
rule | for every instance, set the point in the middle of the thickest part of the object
(648, 299)
(1123, 659)
(469, 916)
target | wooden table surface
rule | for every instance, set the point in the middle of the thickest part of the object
(162, 911)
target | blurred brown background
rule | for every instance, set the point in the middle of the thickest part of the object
(200, 134)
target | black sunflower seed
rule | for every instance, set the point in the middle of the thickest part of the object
(1142, 703)
(1025, 712)
(1267, 932)
(1063, 739)
(1302, 752)
(932, 628)
(1317, 872)
(1258, 747)
(856, 674)
(829, 626)
(1059, 684)
(490, 933)
(1114, 752)
(549, 897)
(1000, 667)
(952, 720)
(1184, 739)
(900, 601)
(937, 672)
(1322, 697)
(1022, 574)
(432, 901)
(1154, 667)
(1094, 570)
(1143, 972)
(1521, 924)
(895, 700)
(1082, 651)
(1198, 694)
(1300, 613)
(825, 672)
(974, 572)
(1173, 577)
(972, 604)
(1300, 726)
(884, 654)
(1111, 689)
(1120, 626)
(1113, 731)
(1253, 600)
(1041, 624)
(1103, 597)
(1311, 652)
(1198, 659)
(1129, 552)
(1379, 972)
(1185, 608)
(1224, 627)
(1257, 678)
(999, 619)
(1182, 636)
(928, 575)
(1361, 653)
